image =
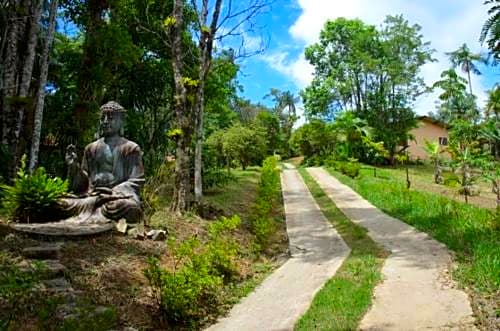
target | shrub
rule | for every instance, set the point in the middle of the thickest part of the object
(267, 195)
(216, 177)
(192, 288)
(351, 169)
(33, 197)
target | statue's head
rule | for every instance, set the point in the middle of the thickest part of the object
(112, 119)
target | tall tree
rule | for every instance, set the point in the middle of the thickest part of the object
(229, 22)
(490, 32)
(456, 103)
(375, 73)
(20, 66)
(285, 109)
(493, 103)
(40, 96)
(464, 58)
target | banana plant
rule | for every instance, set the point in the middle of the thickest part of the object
(434, 151)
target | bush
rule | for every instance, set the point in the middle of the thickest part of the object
(33, 197)
(192, 289)
(267, 195)
(350, 169)
(216, 177)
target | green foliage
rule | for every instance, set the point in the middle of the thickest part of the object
(314, 139)
(87, 317)
(192, 289)
(263, 225)
(491, 29)
(285, 111)
(17, 288)
(350, 168)
(216, 177)
(373, 72)
(456, 103)
(243, 144)
(33, 197)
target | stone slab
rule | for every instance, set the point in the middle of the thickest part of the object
(63, 228)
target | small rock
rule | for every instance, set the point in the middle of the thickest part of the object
(10, 237)
(46, 252)
(136, 233)
(58, 285)
(157, 235)
(121, 226)
(53, 269)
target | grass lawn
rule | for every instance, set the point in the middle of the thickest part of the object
(472, 233)
(107, 270)
(346, 297)
(422, 178)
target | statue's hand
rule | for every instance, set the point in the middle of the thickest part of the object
(103, 190)
(70, 156)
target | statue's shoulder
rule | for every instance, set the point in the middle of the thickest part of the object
(129, 146)
(94, 146)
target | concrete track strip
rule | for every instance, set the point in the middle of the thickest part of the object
(416, 293)
(317, 252)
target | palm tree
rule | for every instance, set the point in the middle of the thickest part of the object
(285, 108)
(493, 104)
(464, 58)
(491, 29)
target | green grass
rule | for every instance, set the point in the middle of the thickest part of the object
(237, 196)
(345, 298)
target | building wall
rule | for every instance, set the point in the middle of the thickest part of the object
(426, 130)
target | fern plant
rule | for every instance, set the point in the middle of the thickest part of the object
(33, 197)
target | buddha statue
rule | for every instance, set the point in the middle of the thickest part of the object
(106, 184)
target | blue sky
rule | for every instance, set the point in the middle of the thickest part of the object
(292, 25)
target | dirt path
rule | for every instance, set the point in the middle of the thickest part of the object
(317, 252)
(416, 293)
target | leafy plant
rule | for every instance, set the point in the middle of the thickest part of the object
(216, 177)
(263, 225)
(192, 288)
(33, 197)
(434, 152)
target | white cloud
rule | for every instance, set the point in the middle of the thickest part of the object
(447, 24)
(299, 70)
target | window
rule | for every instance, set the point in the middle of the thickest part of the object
(443, 141)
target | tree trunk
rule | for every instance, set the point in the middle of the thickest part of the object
(29, 61)
(470, 83)
(206, 46)
(40, 96)
(10, 82)
(181, 188)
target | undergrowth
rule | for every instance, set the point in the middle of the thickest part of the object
(262, 221)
